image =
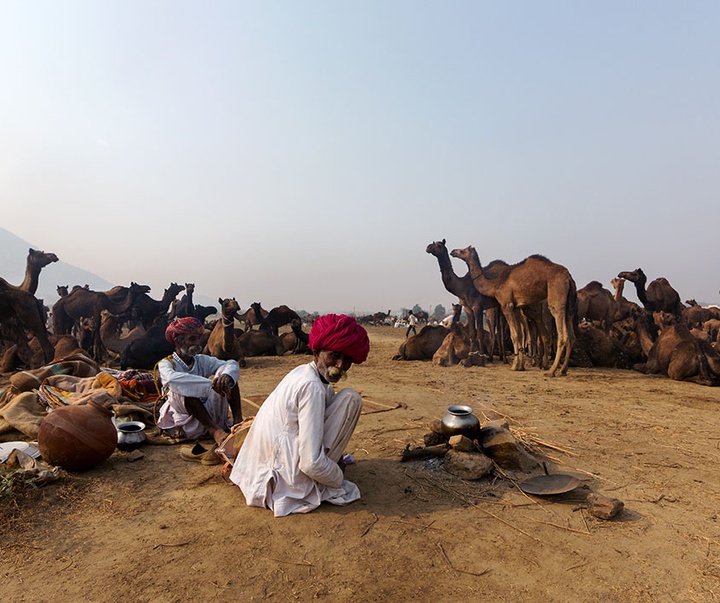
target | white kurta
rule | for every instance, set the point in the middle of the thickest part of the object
(180, 380)
(288, 462)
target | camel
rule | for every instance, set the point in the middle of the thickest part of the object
(712, 328)
(173, 309)
(474, 303)
(64, 345)
(89, 304)
(596, 304)
(537, 325)
(457, 344)
(62, 290)
(36, 261)
(594, 347)
(677, 354)
(623, 308)
(222, 342)
(260, 343)
(20, 312)
(695, 315)
(534, 280)
(111, 332)
(17, 317)
(202, 312)
(276, 318)
(659, 295)
(147, 310)
(250, 317)
(381, 318)
(423, 345)
(462, 286)
(297, 341)
(186, 306)
(146, 351)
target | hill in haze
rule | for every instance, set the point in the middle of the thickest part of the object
(13, 258)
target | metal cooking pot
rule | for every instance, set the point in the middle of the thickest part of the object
(130, 434)
(460, 420)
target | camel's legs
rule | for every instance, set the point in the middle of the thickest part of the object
(564, 340)
(517, 336)
(471, 326)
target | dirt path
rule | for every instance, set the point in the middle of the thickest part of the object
(162, 529)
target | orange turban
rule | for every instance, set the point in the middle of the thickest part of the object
(340, 333)
(183, 326)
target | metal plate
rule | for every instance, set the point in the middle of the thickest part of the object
(546, 485)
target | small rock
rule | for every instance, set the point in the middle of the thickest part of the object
(499, 444)
(436, 426)
(461, 443)
(135, 455)
(604, 507)
(467, 465)
(433, 439)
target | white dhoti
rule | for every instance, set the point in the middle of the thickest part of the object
(341, 418)
(289, 461)
(174, 415)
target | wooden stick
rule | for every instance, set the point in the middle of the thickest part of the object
(372, 523)
(307, 563)
(157, 546)
(420, 453)
(511, 480)
(447, 560)
(555, 525)
(507, 523)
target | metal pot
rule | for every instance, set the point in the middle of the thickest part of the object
(460, 420)
(130, 434)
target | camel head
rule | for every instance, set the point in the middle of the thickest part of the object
(664, 319)
(40, 258)
(136, 289)
(229, 307)
(437, 248)
(636, 276)
(691, 302)
(464, 254)
(190, 287)
(62, 290)
(174, 289)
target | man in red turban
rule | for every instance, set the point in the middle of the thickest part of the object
(198, 389)
(291, 459)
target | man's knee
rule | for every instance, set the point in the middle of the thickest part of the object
(350, 400)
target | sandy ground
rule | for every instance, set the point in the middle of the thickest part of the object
(162, 529)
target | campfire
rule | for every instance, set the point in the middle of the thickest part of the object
(471, 450)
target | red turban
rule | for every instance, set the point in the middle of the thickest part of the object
(183, 326)
(340, 333)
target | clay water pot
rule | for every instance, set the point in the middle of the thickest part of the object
(77, 437)
(460, 420)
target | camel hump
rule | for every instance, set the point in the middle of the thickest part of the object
(594, 285)
(542, 258)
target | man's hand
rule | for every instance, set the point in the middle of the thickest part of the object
(222, 384)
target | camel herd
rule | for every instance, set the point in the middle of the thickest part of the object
(125, 327)
(533, 307)
(531, 310)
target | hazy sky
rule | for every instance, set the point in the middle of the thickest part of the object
(307, 152)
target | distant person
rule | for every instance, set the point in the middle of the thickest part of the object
(199, 388)
(291, 460)
(412, 322)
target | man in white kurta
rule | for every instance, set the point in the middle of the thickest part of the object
(290, 460)
(199, 388)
